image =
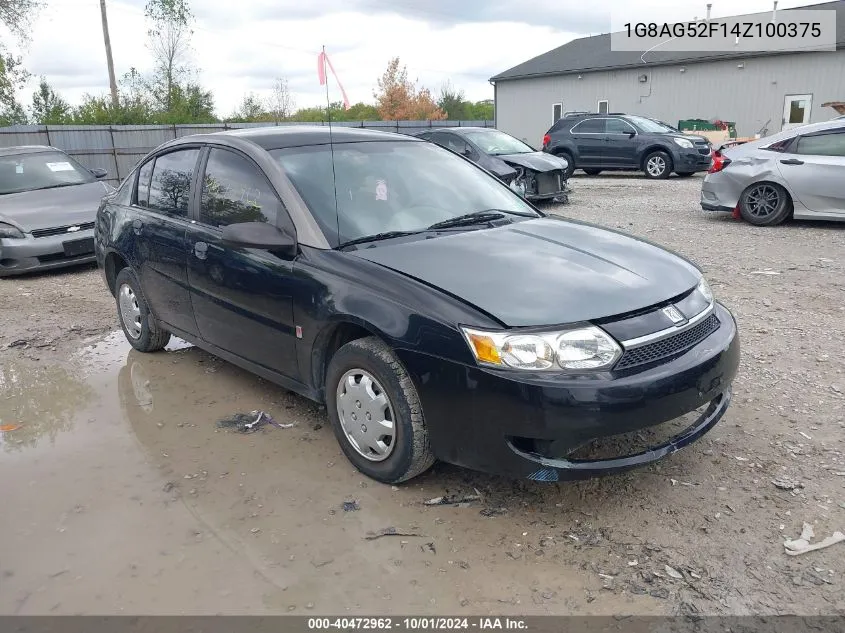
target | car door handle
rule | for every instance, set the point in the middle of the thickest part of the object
(792, 161)
(200, 250)
(137, 226)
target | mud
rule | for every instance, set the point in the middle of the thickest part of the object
(121, 495)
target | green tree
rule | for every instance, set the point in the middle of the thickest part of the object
(48, 107)
(453, 103)
(170, 43)
(481, 110)
(250, 110)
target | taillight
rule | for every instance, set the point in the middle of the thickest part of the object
(718, 162)
(547, 139)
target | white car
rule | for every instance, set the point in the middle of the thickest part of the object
(797, 173)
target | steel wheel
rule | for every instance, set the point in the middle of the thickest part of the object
(366, 415)
(655, 166)
(130, 311)
(762, 201)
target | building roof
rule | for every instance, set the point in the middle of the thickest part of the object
(588, 54)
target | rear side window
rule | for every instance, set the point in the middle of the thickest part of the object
(170, 187)
(144, 174)
(590, 126)
(832, 144)
(235, 190)
(780, 146)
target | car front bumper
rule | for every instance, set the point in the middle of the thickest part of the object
(692, 160)
(479, 418)
(30, 254)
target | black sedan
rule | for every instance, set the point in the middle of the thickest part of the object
(534, 175)
(435, 312)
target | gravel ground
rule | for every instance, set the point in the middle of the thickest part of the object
(701, 532)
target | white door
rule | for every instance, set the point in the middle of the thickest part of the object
(796, 110)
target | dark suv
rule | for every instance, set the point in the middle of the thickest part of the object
(596, 142)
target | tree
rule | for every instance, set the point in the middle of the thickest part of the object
(482, 110)
(170, 42)
(48, 107)
(399, 98)
(16, 16)
(453, 103)
(250, 110)
(282, 104)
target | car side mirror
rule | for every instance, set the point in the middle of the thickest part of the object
(467, 152)
(259, 235)
(98, 173)
(631, 134)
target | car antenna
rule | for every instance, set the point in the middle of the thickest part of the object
(325, 77)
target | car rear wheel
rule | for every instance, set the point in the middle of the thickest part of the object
(685, 174)
(658, 165)
(765, 204)
(140, 327)
(375, 411)
(592, 172)
(571, 162)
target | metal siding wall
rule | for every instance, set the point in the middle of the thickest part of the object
(750, 96)
(118, 148)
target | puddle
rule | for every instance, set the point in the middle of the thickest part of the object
(121, 495)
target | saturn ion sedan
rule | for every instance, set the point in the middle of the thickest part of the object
(47, 206)
(435, 312)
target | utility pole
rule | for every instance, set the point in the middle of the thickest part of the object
(107, 40)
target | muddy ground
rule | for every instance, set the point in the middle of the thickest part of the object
(120, 494)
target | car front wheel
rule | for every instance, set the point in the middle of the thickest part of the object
(140, 327)
(376, 413)
(658, 165)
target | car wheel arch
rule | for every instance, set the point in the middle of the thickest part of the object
(330, 339)
(651, 149)
(112, 265)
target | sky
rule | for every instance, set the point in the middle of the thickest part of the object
(241, 46)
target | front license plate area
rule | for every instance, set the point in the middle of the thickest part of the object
(75, 248)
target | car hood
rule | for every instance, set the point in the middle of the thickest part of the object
(538, 161)
(543, 272)
(49, 208)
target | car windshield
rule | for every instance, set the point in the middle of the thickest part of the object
(40, 170)
(650, 125)
(494, 142)
(387, 186)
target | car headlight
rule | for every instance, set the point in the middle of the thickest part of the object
(581, 348)
(8, 231)
(704, 288)
(682, 142)
(564, 161)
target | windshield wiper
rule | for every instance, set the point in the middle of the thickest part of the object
(387, 235)
(62, 184)
(477, 217)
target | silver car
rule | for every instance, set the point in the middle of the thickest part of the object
(48, 203)
(797, 173)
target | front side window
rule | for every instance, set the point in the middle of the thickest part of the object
(618, 126)
(382, 186)
(832, 144)
(234, 190)
(590, 126)
(495, 143)
(170, 186)
(40, 170)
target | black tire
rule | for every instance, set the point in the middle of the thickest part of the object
(144, 334)
(410, 451)
(684, 174)
(662, 165)
(765, 204)
(592, 172)
(568, 157)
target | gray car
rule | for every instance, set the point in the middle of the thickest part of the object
(797, 173)
(535, 175)
(48, 203)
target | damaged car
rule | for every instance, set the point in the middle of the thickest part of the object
(435, 312)
(534, 175)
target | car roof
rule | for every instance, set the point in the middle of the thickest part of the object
(26, 149)
(300, 135)
(784, 134)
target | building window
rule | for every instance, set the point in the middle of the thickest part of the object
(557, 111)
(602, 107)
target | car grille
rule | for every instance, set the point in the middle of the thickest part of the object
(61, 230)
(669, 346)
(548, 183)
(703, 148)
